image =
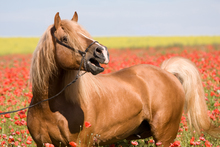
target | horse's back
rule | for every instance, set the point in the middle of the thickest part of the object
(159, 90)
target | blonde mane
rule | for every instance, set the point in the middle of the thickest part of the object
(44, 66)
(43, 62)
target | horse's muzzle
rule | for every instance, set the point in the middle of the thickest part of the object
(99, 56)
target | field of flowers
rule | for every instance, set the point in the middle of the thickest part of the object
(27, 45)
(15, 91)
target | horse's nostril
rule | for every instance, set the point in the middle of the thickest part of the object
(99, 51)
(99, 54)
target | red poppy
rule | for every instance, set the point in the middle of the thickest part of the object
(202, 138)
(29, 138)
(17, 132)
(16, 117)
(212, 93)
(151, 141)
(3, 142)
(159, 143)
(7, 115)
(87, 124)
(48, 145)
(208, 144)
(176, 143)
(28, 142)
(73, 144)
(19, 139)
(134, 142)
(16, 143)
(192, 141)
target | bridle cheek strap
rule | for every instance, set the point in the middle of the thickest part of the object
(82, 53)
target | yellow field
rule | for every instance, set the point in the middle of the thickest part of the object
(144, 42)
(27, 45)
(17, 45)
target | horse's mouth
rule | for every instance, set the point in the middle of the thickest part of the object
(93, 66)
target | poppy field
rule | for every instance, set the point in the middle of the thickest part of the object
(15, 92)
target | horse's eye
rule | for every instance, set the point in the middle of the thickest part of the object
(64, 39)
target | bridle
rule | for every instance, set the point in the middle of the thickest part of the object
(82, 53)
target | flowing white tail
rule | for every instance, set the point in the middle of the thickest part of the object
(195, 105)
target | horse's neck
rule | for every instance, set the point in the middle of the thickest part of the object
(80, 92)
(84, 89)
(77, 92)
(71, 93)
(54, 85)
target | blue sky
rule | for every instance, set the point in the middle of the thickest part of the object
(27, 18)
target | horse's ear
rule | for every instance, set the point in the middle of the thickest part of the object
(75, 17)
(57, 21)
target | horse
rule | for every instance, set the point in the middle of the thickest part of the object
(101, 109)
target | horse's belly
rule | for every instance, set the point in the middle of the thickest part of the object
(119, 120)
(118, 131)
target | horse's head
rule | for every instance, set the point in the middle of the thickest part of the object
(74, 45)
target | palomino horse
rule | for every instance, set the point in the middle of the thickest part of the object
(136, 102)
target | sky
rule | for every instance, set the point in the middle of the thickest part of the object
(30, 18)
